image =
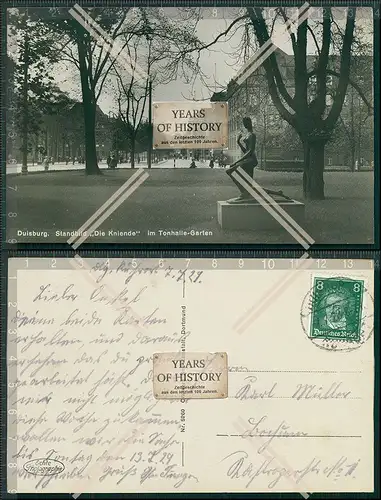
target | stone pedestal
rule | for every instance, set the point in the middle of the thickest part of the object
(254, 216)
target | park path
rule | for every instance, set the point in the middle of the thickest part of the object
(62, 167)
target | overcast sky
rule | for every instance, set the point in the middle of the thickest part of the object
(218, 66)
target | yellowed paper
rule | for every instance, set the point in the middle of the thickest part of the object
(82, 413)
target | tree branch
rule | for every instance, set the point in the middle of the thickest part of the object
(292, 35)
(70, 57)
(352, 84)
(218, 37)
(101, 66)
(300, 69)
(314, 38)
(346, 129)
(345, 66)
(321, 72)
(270, 63)
(105, 74)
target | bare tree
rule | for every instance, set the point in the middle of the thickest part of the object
(309, 114)
(32, 84)
(93, 60)
(132, 95)
(153, 49)
(309, 118)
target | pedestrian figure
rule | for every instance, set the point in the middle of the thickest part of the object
(211, 163)
(113, 161)
(193, 164)
(46, 163)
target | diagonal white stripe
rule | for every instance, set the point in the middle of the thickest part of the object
(271, 211)
(91, 21)
(269, 47)
(289, 24)
(257, 60)
(108, 43)
(269, 453)
(264, 297)
(267, 299)
(111, 48)
(105, 205)
(276, 206)
(112, 209)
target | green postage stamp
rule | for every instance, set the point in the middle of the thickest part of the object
(336, 310)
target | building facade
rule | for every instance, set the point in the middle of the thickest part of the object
(276, 140)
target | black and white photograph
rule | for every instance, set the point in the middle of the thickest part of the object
(199, 125)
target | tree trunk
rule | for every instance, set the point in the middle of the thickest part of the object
(132, 152)
(89, 110)
(56, 149)
(352, 134)
(264, 151)
(303, 117)
(313, 175)
(46, 138)
(359, 144)
(25, 118)
(353, 156)
(262, 160)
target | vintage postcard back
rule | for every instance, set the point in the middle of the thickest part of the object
(190, 376)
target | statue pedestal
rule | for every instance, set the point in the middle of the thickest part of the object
(253, 216)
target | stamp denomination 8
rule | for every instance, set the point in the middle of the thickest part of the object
(320, 285)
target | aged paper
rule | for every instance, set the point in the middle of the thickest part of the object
(82, 414)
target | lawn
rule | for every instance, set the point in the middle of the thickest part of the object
(181, 199)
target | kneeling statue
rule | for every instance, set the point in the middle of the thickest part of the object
(248, 162)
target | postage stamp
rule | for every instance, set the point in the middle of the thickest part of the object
(336, 309)
(183, 375)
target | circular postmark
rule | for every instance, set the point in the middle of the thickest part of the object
(44, 467)
(337, 313)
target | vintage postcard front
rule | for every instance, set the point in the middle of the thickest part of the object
(184, 375)
(188, 120)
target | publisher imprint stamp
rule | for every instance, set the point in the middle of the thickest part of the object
(183, 375)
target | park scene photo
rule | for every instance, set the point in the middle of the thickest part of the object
(185, 124)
